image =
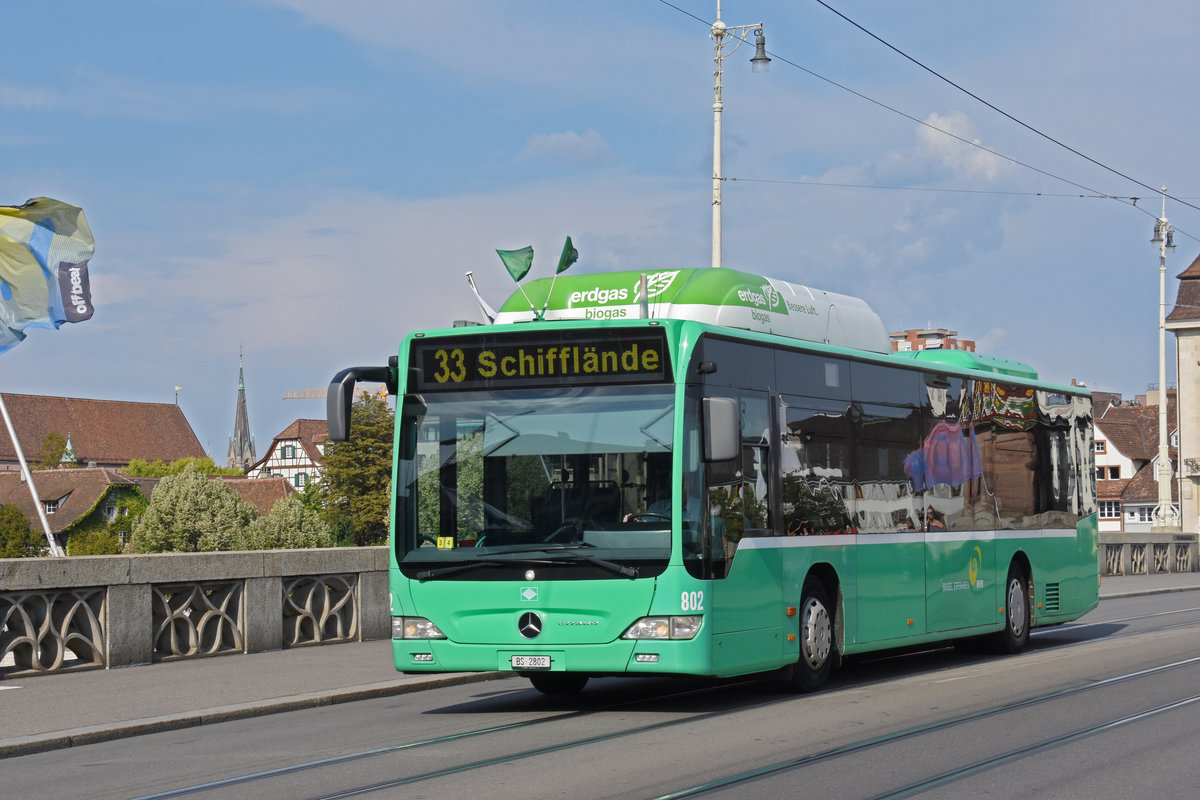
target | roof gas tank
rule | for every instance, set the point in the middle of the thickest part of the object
(725, 297)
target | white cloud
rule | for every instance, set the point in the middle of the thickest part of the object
(569, 149)
(955, 153)
(515, 44)
(368, 268)
(991, 342)
(95, 92)
(27, 98)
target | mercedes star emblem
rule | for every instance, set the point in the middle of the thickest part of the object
(530, 625)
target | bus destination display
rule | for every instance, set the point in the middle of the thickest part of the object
(549, 359)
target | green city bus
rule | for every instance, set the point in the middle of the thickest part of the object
(708, 472)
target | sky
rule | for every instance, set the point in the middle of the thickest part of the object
(294, 185)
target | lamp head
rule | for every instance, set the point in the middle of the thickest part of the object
(760, 62)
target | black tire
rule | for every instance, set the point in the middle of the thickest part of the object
(558, 682)
(1017, 616)
(818, 651)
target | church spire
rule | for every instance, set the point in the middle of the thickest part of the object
(241, 444)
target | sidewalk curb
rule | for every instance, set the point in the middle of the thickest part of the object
(1145, 592)
(44, 742)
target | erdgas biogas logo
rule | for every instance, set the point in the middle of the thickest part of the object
(597, 296)
(765, 296)
(656, 284)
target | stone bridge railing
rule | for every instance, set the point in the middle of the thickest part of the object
(107, 611)
(1147, 553)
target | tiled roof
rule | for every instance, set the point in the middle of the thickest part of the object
(1143, 488)
(1102, 400)
(310, 432)
(1111, 490)
(1133, 430)
(1187, 300)
(78, 490)
(106, 432)
(262, 493)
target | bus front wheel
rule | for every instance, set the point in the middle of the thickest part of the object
(1015, 635)
(817, 648)
(558, 682)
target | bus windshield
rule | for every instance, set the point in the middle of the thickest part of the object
(567, 477)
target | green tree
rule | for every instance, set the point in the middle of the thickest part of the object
(289, 525)
(99, 542)
(53, 448)
(189, 512)
(140, 468)
(356, 475)
(17, 538)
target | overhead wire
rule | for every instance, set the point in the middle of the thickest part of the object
(1091, 193)
(1001, 111)
(897, 111)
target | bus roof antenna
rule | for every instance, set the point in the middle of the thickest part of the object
(488, 311)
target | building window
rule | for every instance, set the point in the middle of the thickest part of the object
(51, 506)
(110, 512)
(1145, 514)
(1110, 509)
(1101, 446)
(301, 480)
(1114, 473)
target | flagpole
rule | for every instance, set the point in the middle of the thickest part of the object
(568, 257)
(55, 550)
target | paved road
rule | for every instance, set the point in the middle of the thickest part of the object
(55, 711)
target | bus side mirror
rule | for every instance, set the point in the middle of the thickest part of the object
(340, 395)
(722, 435)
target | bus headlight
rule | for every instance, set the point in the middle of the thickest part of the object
(415, 628)
(664, 628)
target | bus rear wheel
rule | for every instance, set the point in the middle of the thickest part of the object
(558, 682)
(1015, 635)
(817, 648)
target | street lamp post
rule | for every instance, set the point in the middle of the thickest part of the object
(760, 63)
(1166, 516)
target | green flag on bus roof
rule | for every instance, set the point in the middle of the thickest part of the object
(569, 256)
(517, 262)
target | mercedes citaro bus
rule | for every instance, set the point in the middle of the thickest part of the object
(708, 472)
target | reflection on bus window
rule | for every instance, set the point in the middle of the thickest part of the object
(815, 462)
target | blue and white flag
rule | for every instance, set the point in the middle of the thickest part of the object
(45, 247)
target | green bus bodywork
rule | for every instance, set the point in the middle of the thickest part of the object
(876, 500)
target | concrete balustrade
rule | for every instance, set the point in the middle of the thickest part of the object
(1148, 553)
(109, 611)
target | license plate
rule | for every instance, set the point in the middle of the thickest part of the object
(531, 662)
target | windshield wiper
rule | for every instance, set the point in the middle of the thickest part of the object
(426, 574)
(613, 567)
(610, 566)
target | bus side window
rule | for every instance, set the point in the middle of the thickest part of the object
(815, 466)
(756, 460)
